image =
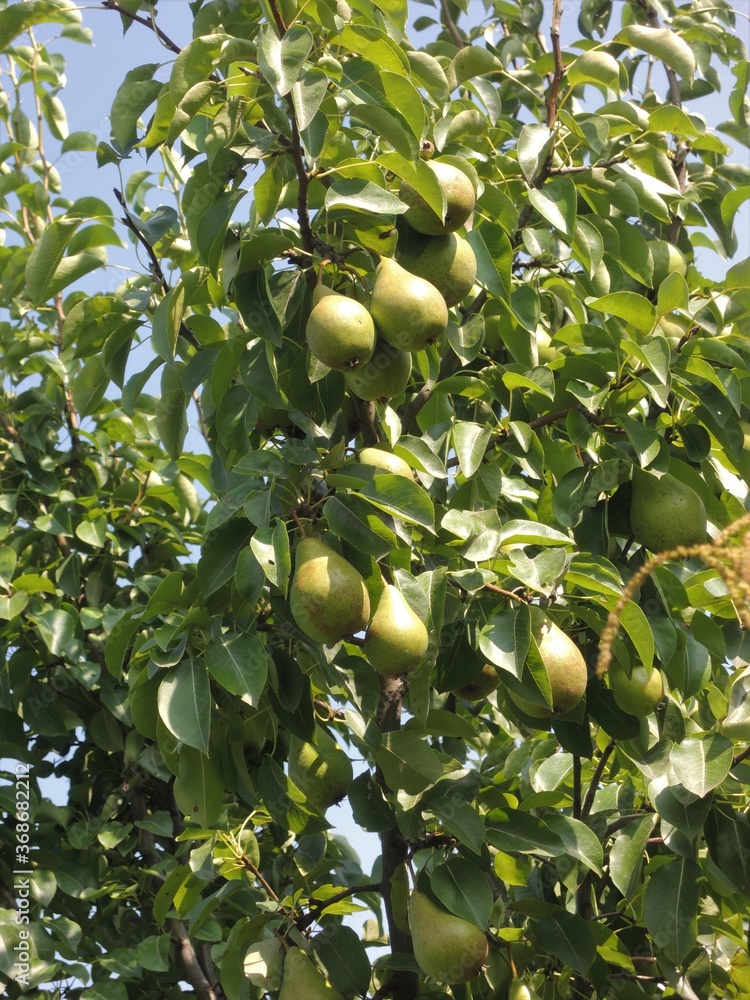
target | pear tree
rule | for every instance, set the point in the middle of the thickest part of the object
(374, 588)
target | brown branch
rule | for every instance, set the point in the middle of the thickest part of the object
(743, 755)
(588, 802)
(450, 24)
(146, 22)
(505, 593)
(600, 165)
(622, 821)
(278, 17)
(554, 90)
(394, 846)
(320, 905)
(448, 366)
(155, 267)
(366, 416)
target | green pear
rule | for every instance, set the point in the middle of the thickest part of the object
(328, 597)
(448, 263)
(665, 513)
(459, 201)
(447, 947)
(565, 666)
(545, 351)
(638, 694)
(397, 638)
(303, 980)
(667, 259)
(673, 330)
(340, 331)
(322, 770)
(518, 990)
(486, 681)
(409, 312)
(385, 460)
(384, 376)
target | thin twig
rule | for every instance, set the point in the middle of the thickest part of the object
(450, 24)
(320, 905)
(576, 786)
(146, 22)
(554, 90)
(588, 802)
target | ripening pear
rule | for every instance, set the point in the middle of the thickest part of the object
(322, 770)
(409, 312)
(667, 259)
(328, 597)
(385, 460)
(459, 201)
(545, 351)
(486, 681)
(665, 513)
(340, 331)
(518, 990)
(303, 980)
(384, 376)
(448, 263)
(638, 694)
(566, 668)
(447, 947)
(397, 638)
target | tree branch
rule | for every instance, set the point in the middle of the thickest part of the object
(597, 777)
(146, 22)
(155, 268)
(554, 90)
(366, 416)
(320, 905)
(450, 24)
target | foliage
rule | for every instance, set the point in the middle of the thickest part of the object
(151, 660)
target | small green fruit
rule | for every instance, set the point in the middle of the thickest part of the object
(566, 668)
(447, 947)
(409, 312)
(448, 263)
(303, 980)
(328, 597)
(340, 331)
(518, 990)
(385, 460)
(322, 770)
(459, 198)
(638, 694)
(545, 351)
(486, 681)
(665, 513)
(384, 376)
(397, 639)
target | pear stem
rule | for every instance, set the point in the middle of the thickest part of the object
(293, 514)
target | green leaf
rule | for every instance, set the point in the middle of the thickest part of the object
(630, 306)
(662, 43)
(137, 91)
(594, 67)
(580, 841)
(57, 629)
(46, 256)
(353, 519)
(198, 790)
(516, 832)
(171, 421)
(669, 118)
(402, 498)
(308, 94)
(673, 294)
(505, 640)
(363, 196)
(534, 146)
(18, 17)
(8, 560)
(474, 60)
(731, 202)
(702, 763)
(470, 442)
(389, 125)
(407, 762)
(185, 703)
(462, 888)
(270, 547)
(556, 202)
(568, 937)
(461, 820)
(671, 906)
(281, 59)
(626, 855)
(343, 955)
(238, 662)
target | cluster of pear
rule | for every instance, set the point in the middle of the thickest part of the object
(409, 302)
(330, 602)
